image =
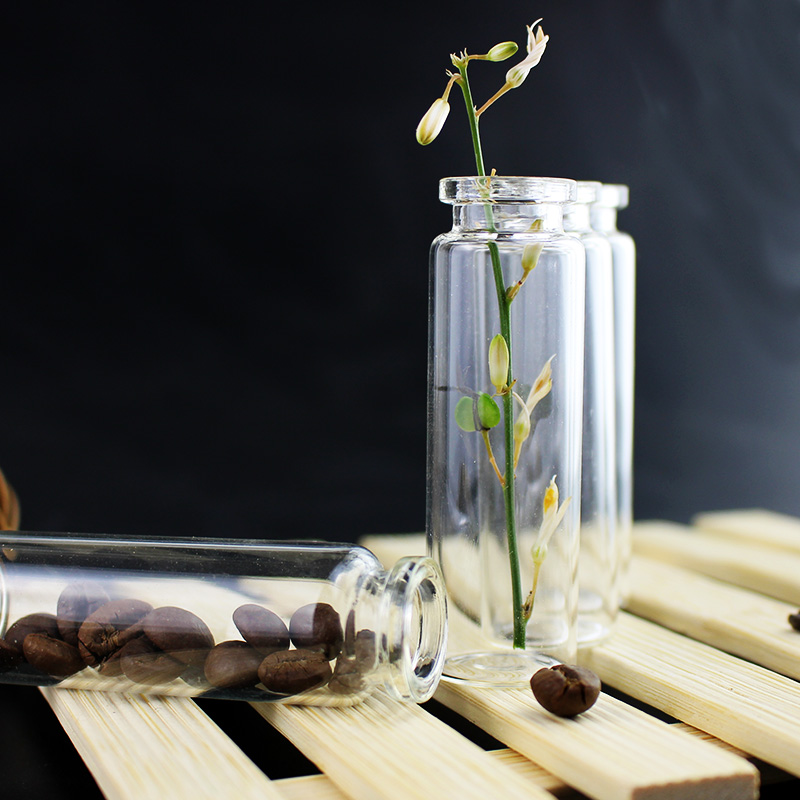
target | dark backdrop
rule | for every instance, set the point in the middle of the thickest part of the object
(214, 280)
(213, 290)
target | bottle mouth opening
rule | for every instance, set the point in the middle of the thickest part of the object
(415, 613)
(512, 190)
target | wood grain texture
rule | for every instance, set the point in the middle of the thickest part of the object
(611, 752)
(155, 747)
(386, 749)
(738, 621)
(755, 525)
(744, 704)
(742, 563)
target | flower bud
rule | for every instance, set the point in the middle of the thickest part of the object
(498, 362)
(430, 125)
(502, 51)
(530, 256)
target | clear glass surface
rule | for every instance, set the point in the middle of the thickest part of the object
(295, 622)
(612, 198)
(467, 519)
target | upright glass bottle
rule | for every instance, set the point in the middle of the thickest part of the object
(598, 565)
(291, 622)
(504, 424)
(610, 199)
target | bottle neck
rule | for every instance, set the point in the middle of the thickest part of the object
(411, 627)
(604, 219)
(577, 218)
(508, 218)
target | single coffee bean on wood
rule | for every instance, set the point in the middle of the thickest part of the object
(317, 626)
(31, 623)
(564, 690)
(76, 602)
(233, 665)
(108, 628)
(294, 671)
(142, 662)
(52, 656)
(178, 632)
(261, 628)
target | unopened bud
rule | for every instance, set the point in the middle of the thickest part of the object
(498, 362)
(430, 125)
(530, 256)
(502, 51)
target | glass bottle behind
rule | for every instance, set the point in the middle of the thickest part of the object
(610, 199)
(293, 622)
(598, 564)
(507, 240)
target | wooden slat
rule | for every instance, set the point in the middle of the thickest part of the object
(745, 623)
(751, 707)
(320, 787)
(386, 749)
(611, 752)
(750, 566)
(155, 747)
(756, 525)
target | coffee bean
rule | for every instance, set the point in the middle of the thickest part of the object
(261, 628)
(233, 665)
(77, 601)
(348, 677)
(142, 662)
(110, 627)
(564, 690)
(31, 623)
(294, 671)
(317, 627)
(178, 632)
(794, 621)
(9, 656)
(52, 656)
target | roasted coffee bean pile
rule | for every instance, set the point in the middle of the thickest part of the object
(153, 646)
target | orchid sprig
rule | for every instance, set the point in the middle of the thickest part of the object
(468, 410)
(552, 515)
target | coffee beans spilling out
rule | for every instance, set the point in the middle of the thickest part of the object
(128, 638)
(564, 690)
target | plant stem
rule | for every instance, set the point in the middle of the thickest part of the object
(508, 403)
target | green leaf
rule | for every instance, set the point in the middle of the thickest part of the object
(488, 411)
(465, 417)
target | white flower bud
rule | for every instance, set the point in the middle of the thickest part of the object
(498, 362)
(502, 51)
(430, 125)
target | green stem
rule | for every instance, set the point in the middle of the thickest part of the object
(508, 402)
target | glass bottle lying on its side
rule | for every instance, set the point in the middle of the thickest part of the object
(311, 623)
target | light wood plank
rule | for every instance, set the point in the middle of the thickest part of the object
(611, 752)
(744, 704)
(750, 566)
(155, 747)
(756, 525)
(386, 749)
(745, 623)
(320, 787)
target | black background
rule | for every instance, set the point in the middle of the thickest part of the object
(214, 285)
(214, 265)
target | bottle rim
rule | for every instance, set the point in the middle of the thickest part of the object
(612, 195)
(515, 190)
(414, 610)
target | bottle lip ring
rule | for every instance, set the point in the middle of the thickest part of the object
(509, 189)
(613, 195)
(414, 583)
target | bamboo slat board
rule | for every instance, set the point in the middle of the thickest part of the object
(705, 640)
